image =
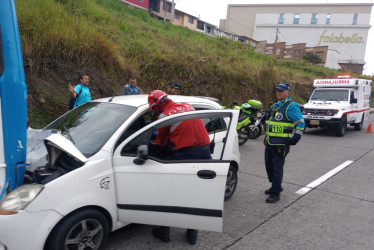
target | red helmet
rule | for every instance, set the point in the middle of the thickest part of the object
(155, 99)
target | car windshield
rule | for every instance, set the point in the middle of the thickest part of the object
(330, 95)
(89, 126)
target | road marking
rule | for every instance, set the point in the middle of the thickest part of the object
(323, 178)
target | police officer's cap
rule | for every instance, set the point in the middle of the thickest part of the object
(175, 85)
(283, 86)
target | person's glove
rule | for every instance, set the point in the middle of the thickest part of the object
(154, 132)
(295, 139)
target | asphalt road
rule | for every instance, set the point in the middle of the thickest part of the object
(337, 214)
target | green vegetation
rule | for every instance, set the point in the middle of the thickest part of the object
(39, 119)
(312, 58)
(110, 42)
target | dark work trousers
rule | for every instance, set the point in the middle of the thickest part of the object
(188, 155)
(274, 168)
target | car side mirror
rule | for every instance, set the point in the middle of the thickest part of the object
(354, 100)
(142, 153)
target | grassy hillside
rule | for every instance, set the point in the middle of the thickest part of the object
(110, 42)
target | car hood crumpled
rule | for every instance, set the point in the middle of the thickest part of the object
(58, 141)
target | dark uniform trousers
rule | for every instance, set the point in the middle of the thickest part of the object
(196, 152)
(274, 163)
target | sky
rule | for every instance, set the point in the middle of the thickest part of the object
(212, 11)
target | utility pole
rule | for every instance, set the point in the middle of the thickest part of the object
(276, 36)
(164, 10)
(172, 12)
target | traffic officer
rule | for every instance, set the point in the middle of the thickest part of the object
(190, 140)
(285, 126)
(174, 88)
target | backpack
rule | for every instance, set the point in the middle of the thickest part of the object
(72, 99)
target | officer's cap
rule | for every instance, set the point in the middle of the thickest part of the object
(283, 86)
(175, 85)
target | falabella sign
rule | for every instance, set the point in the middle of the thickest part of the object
(340, 39)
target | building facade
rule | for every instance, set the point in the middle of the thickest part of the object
(143, 4)
(162, 10)
(341, 29)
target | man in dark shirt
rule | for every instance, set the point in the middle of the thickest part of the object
(131, 88)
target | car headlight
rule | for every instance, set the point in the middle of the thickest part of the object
(332, 112)
(18, 199)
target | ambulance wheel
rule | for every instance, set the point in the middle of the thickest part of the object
(340, 129)
(358, 126)
(85, 229)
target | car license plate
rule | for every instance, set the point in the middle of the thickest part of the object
(314, 122)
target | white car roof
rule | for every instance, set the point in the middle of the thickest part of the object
(140, 100)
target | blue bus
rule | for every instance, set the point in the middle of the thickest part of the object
(13, 101)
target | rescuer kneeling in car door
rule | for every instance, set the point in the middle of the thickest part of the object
(282, 118)
(189, 138)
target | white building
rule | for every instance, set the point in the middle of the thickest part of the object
(342, 27)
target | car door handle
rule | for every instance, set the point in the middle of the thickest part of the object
(206, 174)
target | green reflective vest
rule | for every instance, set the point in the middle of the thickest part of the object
(279, 128)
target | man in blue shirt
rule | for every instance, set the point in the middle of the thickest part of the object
(131, 88)
(284, 127)
(81, 91)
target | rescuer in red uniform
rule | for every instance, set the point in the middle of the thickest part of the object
(189, 138)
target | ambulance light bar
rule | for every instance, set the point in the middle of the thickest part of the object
(338, 77)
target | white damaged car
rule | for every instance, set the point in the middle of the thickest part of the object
(104, 172)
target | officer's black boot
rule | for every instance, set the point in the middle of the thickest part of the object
(268, 191)
(163, 233)
(191, 236)
(273, 198)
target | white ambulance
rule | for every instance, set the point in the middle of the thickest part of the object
(337, 102)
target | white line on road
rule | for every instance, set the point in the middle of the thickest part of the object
(323, 178)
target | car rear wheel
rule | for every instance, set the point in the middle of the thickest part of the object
(243, 134)
(86, 229)
(231, 182)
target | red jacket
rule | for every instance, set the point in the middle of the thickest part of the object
(188, 133)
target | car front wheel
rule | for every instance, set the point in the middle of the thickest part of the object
(86, 229)
(231, 182)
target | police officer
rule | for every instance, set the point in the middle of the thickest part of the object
(189, 138)
(174, 88)
(285, 125)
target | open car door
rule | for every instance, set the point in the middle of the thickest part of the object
(178, 193)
